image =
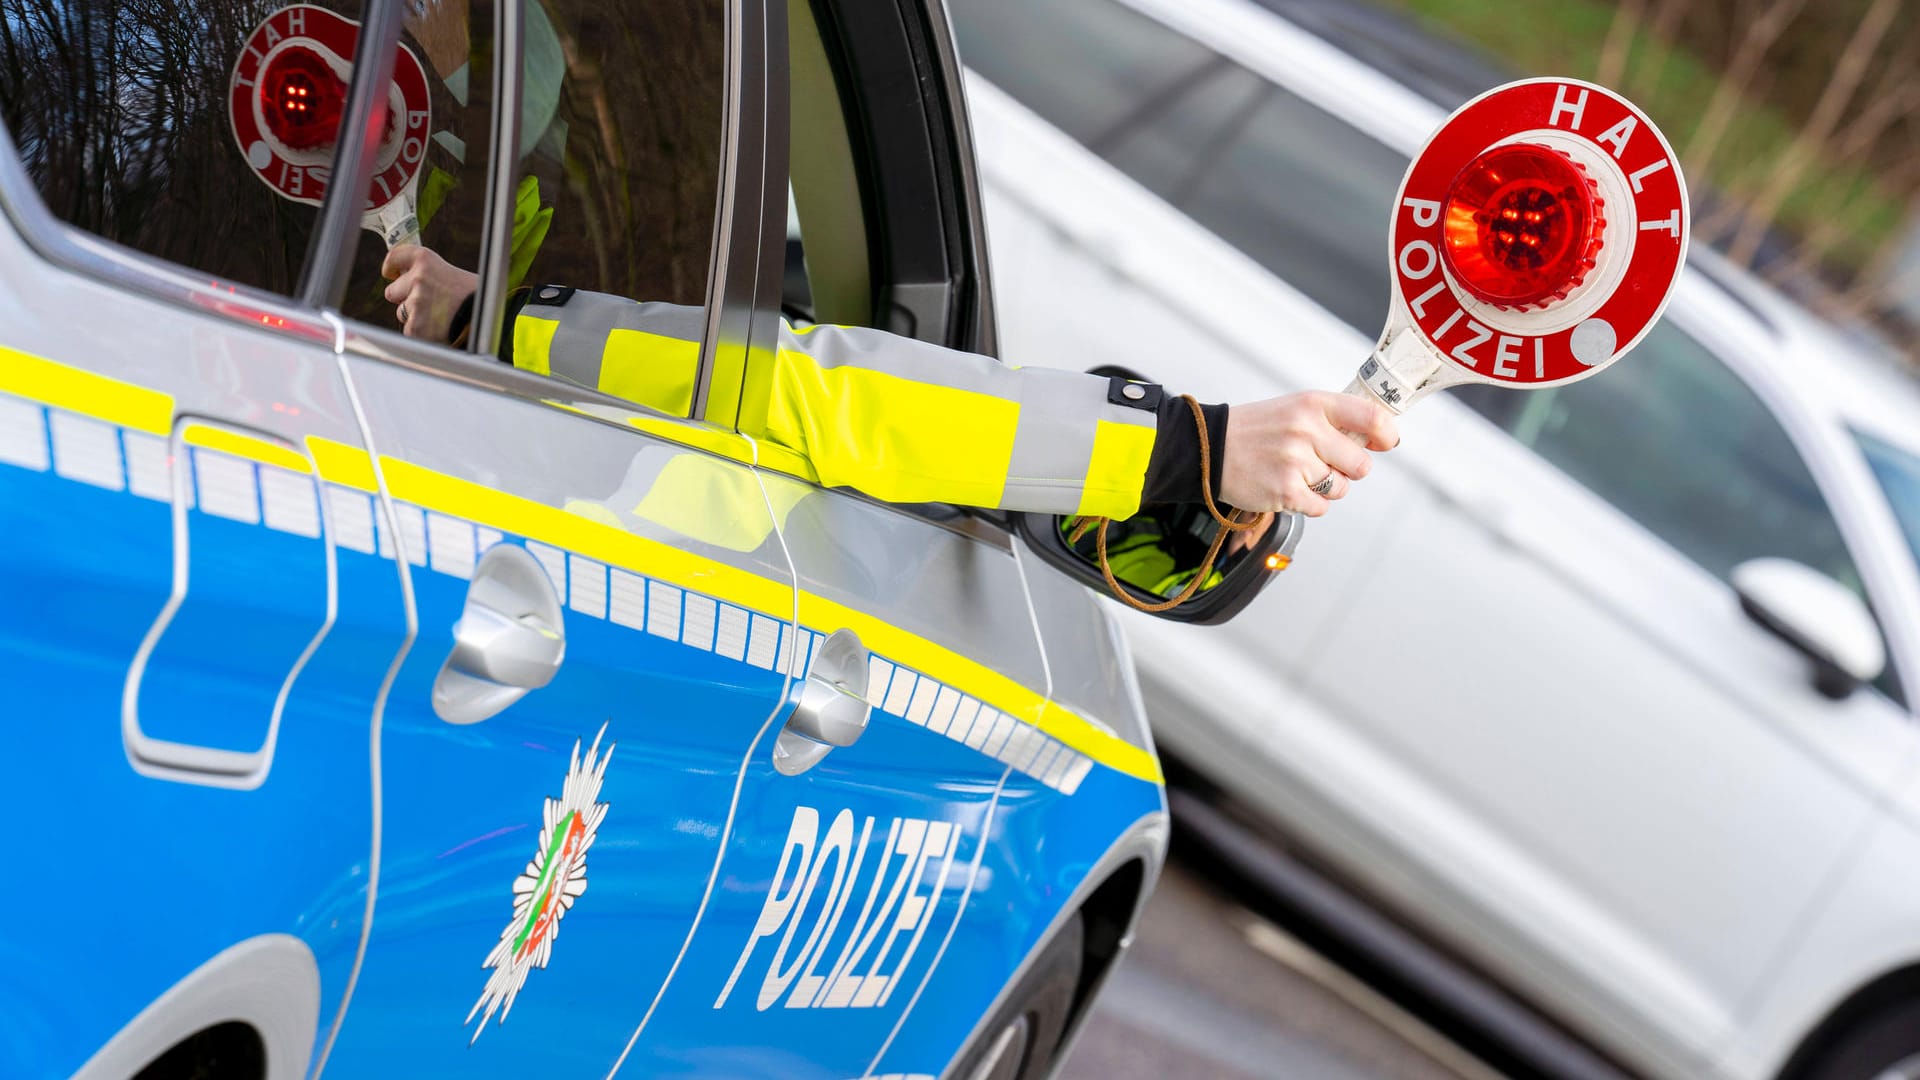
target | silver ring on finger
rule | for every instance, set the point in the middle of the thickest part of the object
(1324, 487)
(402, 313)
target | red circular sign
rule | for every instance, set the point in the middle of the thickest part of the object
(1638, 261)
(287, 98)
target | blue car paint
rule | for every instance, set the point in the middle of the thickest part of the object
(135, 881)
(179, 871)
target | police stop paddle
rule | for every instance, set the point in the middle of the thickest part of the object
(1536, 238)
(287, 98)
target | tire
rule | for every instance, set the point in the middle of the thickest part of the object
(1022, 1037)
(1884, 1044)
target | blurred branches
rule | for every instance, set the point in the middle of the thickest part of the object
(1797, 121)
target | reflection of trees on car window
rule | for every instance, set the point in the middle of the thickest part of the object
(628, 158)
(118, 110)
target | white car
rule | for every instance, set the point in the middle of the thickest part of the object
(1542, 686)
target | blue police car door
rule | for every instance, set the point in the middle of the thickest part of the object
(848, 870)
(196, 621)
(605, 614)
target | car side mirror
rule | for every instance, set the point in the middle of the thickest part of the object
(1156, 553)
(1818, 616)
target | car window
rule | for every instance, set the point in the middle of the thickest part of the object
(1898, 472)
(1305, 194)
(124, 117)
(1680, 444)
(436, 164)
(1676, 441)
(615, 175)
(1084, 65)
(620, 133)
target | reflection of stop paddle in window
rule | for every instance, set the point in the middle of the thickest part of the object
(288, 97)
(1535, 239)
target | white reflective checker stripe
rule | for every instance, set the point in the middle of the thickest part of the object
(1082, 765)
(1057, 769)
(921, 706)
(1004, 727)
(586, 586)
(1020, 746)
(450, 546)
(793, 652)
(226, 486)
(663, 611)
(149, 466)
(983, 729)
(731, 639)
(697, 621)
(1036, 744)
(289, 502)
(352, 514)
(879, 674)
(23, 435)
(900, 691)
(627, 599)
(942, 717)
(963, 717)
(555, 562)
(413, 532)
(87, 451)
(1043, 760)
(763, 642)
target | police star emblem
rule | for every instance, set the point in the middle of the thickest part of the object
(546, 890)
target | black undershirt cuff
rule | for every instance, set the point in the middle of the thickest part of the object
(1173, 472)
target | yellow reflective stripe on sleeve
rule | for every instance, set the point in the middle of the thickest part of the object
(1118, 469)
(895, 439)
(245, 446)
(533, 343)
(652, 369)
(77, 390)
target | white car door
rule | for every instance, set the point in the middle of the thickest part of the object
(1629, 773)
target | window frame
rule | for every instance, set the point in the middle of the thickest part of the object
(732, 317)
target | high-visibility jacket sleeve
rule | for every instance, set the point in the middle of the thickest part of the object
(898, 419)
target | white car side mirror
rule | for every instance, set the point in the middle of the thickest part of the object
(1816, 615)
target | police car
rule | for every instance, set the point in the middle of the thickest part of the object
(1548, 687)
(381, 710)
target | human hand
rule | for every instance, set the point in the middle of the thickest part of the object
(426, 290)
(1279, 448)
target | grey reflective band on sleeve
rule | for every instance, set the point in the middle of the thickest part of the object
(1054, 444)
(587, 319)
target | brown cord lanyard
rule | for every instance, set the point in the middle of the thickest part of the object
(1227, 525)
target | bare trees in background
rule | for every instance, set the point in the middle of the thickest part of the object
(1846, 75)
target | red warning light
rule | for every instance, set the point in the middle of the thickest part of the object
(1522, 225)
(301, 99)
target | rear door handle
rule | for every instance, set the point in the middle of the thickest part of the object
(833, 709)
(510, 638)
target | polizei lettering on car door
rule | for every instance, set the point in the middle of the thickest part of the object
(883, 863)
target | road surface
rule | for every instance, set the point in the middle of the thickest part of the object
(1211, 991)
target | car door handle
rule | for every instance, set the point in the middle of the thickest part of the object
(832, 710)
(498, 647)
(510, 638)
